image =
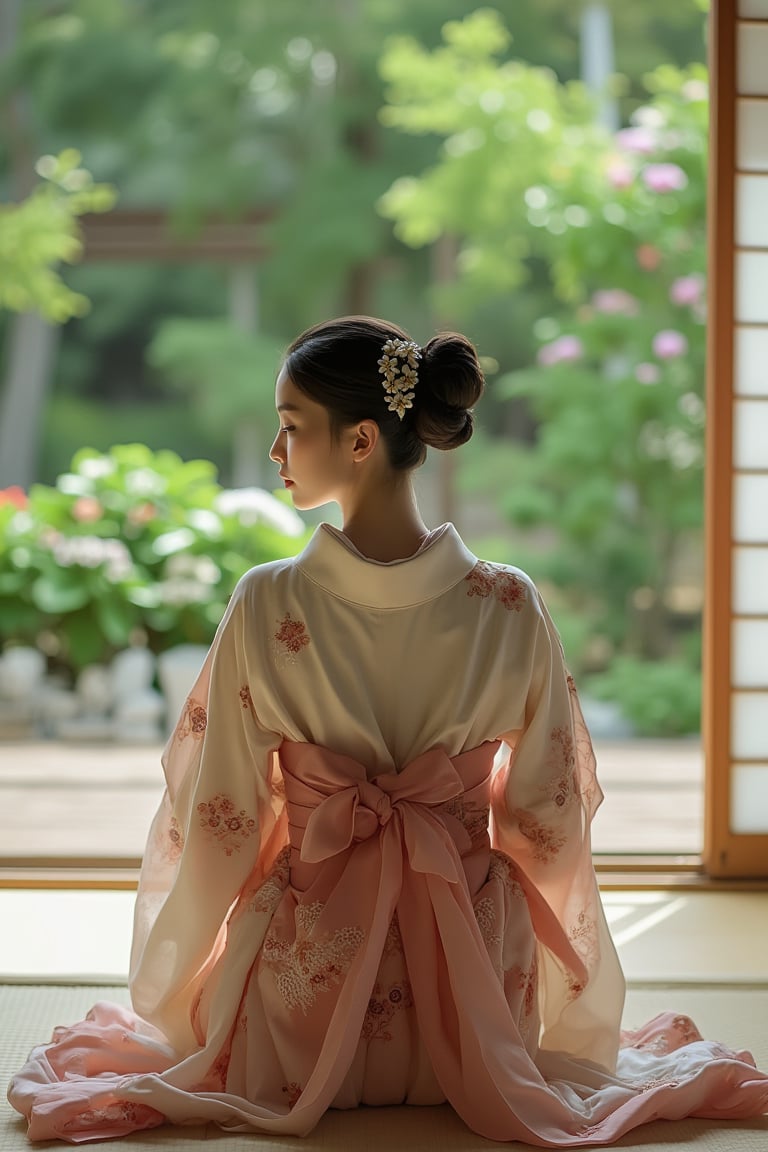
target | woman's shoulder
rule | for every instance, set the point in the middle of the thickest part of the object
(505, 584)
(263, 579)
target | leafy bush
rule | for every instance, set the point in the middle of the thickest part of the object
(659, 699)
(130, 546)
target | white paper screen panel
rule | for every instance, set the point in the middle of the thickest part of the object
(750, 434)
(752, 135)
(751, 360)
(750, 509)
(752, 211)
(749, 799)
(752, 287)
(753, 8)
(752, 60)
(749, 654)
(750, 582)
(749, 726)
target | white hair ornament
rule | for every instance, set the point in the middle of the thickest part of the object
(399, 367)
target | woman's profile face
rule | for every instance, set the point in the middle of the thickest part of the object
(312, 462)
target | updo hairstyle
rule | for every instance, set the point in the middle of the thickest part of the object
(336, 365)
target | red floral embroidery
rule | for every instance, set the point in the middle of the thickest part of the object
(503, 869)
(562, 787)
(292, 1091)
(485, 914)
(175, 840)
(687, 1029)
(546, 841)
(312, 962)
(494, 580)
(245, 697)
(575, 987)
(220, 1066)
(382, 1008)
(583, 936)
(290, 638)
(659, 1045)
(473, 816)
(658, 1082)
(219, 819)
(119, 1114)
(269, 894)
(528, 981)
(193, 721)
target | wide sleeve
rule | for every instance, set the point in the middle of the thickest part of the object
(220, 821)
(544, 799)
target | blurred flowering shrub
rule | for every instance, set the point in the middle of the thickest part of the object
(130, 546)
(618, 389)
(527, 185)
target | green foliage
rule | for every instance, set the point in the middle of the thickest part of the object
(504, 126)
(130, 544)
(611, 487)
(659, 699)
(619, 387)
(230, 373)
(42, 232)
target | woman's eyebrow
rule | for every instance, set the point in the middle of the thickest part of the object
(288, 408)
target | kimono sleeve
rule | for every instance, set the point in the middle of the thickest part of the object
(544, 799)
(219, 822)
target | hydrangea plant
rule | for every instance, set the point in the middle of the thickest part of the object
(130, 546)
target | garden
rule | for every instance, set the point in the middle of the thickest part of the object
(442, 171)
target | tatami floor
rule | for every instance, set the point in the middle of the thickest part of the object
(662, 937)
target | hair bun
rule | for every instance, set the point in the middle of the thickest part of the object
(450, 384)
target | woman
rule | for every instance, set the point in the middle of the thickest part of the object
(370, 877)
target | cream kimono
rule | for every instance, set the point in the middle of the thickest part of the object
(370, 881)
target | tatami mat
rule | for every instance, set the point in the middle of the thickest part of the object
(737, 1016)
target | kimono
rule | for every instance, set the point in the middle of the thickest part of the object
(370, 882)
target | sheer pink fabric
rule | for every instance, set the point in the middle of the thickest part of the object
(397, 867)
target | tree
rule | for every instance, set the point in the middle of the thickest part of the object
(619, 222)
(218, 108)
(36, 236)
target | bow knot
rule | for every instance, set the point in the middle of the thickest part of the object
(361, 809)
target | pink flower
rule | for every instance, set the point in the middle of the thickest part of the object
(636, 140)
(669, 344)
(647, 373)
(615, 302)
(619, 173)
(687, 290)
(13, 495)
(648, 257)
(562, 350)
(86, 509)
(142, 513)
(664, 177)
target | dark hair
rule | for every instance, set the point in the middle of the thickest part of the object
(336, 364)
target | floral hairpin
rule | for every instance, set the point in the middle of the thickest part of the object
(399, 367)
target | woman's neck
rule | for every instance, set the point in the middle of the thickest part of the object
(387, 525)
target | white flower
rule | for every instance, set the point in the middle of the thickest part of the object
(96, 467)
(399, 367)
(255, 506)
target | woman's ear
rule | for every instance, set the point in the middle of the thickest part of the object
(364, 440)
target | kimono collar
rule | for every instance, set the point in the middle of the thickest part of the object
(333, 562)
